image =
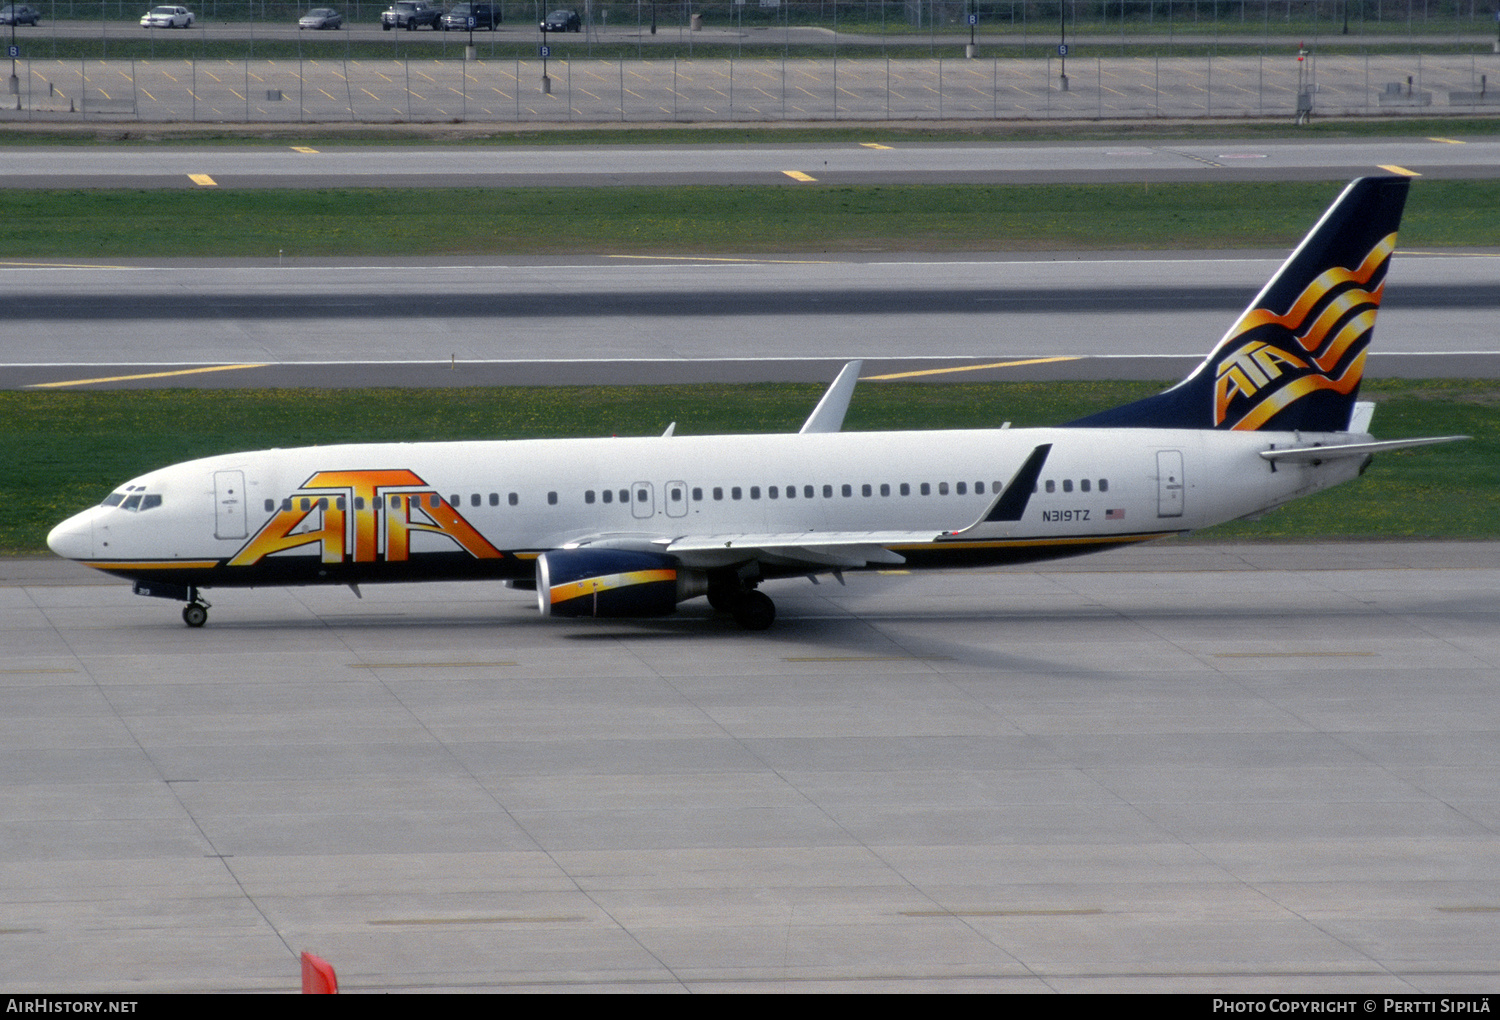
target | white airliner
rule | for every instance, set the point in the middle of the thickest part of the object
(632, 527)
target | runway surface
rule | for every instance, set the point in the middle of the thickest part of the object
(1180, 767)
(406, 167)
(725, 319)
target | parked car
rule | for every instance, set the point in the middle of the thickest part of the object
(19, 14)
(408, 14)
(485, 16)
(562, 21)
(321, 17)
(167, 17)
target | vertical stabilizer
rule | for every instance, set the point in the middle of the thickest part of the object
(1294, 358)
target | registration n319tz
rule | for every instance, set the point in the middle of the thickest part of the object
(633, 527)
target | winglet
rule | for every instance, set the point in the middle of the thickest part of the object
(1010, 505)
(828, 416)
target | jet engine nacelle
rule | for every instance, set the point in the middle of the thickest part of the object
(612, 583)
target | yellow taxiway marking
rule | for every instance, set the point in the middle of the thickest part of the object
(972, 368)
(798, 175)
(58, 265)
(1081, 912)
(304, 148)
(690, 258)
(422, 665)
(1293, 655)
(874, 145)
(203, 180)
(866, 658)
(1392, 168)
(1447, 141)
(561, 918)
(143, 375)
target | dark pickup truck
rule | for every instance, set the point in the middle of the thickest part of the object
(408, 14)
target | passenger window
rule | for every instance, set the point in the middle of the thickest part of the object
(494, 499)
(306, 504)
(906, 488)
(434, 501)
(674, 494)
(1084, 485)
(864, 490)
(270, 505)
(885, 489)
(454, 500)
(827, 492)
(807, 492)
(1067, 485)
(514, 498)
(734, 493)
(1104, 485)
(588, 496)
(609, 496)
(359, 502)
(791, 492)
(962, 488)
(771, 492)
(926, 489)
(755, 492)
(323, 503)
(697, 495)
(286, 504)
(641, 495)
(718, 492)
(1051, 485)
(338, 502)
(552, 499)
(979, 488)
(848, 491)
(942, 488)
(474, 499)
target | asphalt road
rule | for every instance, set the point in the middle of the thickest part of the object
(1217, 769)
(602, 319)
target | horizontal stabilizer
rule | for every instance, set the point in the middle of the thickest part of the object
(1319, 454)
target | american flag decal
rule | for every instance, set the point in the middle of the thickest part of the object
(1114, 515)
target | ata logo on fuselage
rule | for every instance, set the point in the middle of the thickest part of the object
(362, 517)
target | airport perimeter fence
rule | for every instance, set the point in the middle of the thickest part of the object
(752, 90)
(1204, 18)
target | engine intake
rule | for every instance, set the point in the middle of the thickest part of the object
(612, 583)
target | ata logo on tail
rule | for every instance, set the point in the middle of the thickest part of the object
(362, 517)
(1329, 323)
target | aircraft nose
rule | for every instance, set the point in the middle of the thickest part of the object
(73, 539)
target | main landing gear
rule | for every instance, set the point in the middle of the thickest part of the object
(751, 609)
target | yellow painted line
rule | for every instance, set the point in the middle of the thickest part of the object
(865, 658)
(754, 262)
(1082, 912)
(1294, 655)
(143, 375)
(422, 665)
(1447, 141)
(1392, 168)
(150, 564)
(203, 180)
(971, 368)
(798, 175)
(874, 145)
(59, 265)
(303, 148)
(559, 919)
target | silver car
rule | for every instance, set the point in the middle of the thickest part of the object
(321, 17)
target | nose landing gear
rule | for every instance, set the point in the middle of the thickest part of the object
(194, 614)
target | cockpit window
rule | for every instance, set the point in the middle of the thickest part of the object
(150, 501)
(113, 499)
(132, 503)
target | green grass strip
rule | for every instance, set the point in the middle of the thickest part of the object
(792, 218)
(64, 451)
